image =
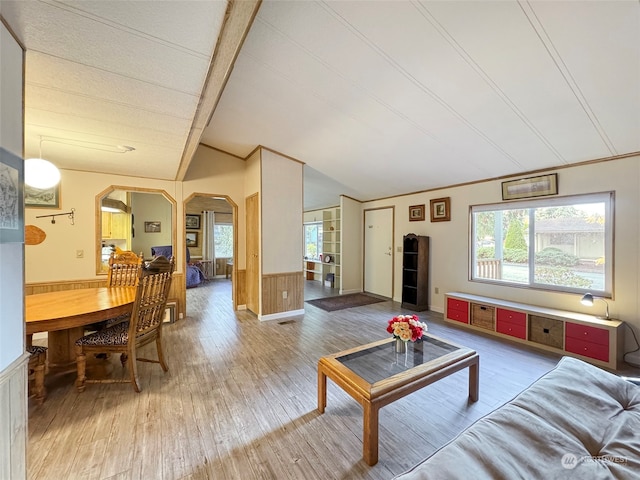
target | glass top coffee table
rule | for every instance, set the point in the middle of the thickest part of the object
(375, 375)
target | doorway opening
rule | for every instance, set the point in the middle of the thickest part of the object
(211, 240)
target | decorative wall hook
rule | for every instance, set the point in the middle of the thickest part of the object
(70, 214)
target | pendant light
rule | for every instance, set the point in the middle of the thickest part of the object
(40, 173)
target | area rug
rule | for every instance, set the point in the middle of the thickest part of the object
(340, 302)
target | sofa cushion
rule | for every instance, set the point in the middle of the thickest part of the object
(577, 421)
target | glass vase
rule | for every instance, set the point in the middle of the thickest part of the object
(400, 346)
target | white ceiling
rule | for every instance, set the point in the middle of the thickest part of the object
(105, 74)
(377, 98)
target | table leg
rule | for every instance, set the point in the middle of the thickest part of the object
(474, 380)
(370, 433)
(322, 390)
(61, 354)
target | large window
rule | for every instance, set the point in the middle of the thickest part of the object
(313, 240)
(564, 243)
(223, 240)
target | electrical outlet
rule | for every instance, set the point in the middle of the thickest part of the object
(284, 294)
(399, 249)
(437, 290)
(79, 253)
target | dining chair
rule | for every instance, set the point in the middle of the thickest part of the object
(124, 270)
(37, 364)
(144, 326)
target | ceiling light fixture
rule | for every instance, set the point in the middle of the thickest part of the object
(40, 173)
(104, 147)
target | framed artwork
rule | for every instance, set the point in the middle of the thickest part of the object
(441, 209)
(11, 194)
(42, 198)
(416, 213)
(152, 227)
(192, 239)
(192, 222)
(540, 186)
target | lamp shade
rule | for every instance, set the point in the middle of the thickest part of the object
(40, 173)
(587, 300)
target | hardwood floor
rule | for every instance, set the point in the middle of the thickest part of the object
(239, 401)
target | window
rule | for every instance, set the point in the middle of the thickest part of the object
(564, 243)
(313, 240)
(223, 240)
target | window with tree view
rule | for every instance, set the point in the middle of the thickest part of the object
(564, 243)
(223, 240)
(312, 241)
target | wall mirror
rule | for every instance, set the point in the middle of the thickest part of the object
(135, 219)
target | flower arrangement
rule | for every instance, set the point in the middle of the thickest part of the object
(407, 327)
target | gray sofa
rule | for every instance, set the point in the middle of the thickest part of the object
(575, 422)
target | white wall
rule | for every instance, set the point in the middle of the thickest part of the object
(450, 240)
(11, 254)
(55, 258)
(282, 236)
(13, 359)
(216, 173)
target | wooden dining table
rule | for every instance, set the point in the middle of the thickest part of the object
(64, 314)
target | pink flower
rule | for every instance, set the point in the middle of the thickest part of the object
(406, 327)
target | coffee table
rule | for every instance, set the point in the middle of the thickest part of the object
(375, 376)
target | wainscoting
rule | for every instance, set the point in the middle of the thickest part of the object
(273, 288)
(13, 417)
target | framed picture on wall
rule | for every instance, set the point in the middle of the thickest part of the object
(192, 222)
(11, 211)
(441, 209)
(152, 227)
(192, 239)
(416, 213)
(42, 198)
(539, 186)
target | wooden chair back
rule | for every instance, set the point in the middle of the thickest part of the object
(124, 269)
(152, 293)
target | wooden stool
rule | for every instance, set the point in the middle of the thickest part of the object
(37, 363)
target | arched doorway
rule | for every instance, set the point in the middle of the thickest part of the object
(211, 233)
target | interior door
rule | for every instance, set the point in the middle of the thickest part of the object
(378, 251)
(253, 254)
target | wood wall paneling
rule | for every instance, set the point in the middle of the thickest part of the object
(273, 287)
(13, 398)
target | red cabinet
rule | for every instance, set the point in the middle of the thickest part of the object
(591, 338)
(592, 342)
(510, 322)
(458, 310)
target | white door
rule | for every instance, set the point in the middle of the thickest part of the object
(378, 252)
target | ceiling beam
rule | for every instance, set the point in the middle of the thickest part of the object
(238, 20)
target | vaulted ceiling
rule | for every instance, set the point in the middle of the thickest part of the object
(377, 98)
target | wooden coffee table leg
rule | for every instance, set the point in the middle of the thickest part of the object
(370, 433)
(322, 390)
(474, 380)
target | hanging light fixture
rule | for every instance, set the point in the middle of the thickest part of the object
(40, 173)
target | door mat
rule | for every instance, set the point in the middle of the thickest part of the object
(340, 302)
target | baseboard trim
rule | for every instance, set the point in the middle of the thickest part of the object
(275, 316)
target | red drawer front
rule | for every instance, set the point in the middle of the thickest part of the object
(455, 304)
(514, 329)
(458, 316)
(588, 349)
(588, 334)
(517, 318)
(458, 310)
